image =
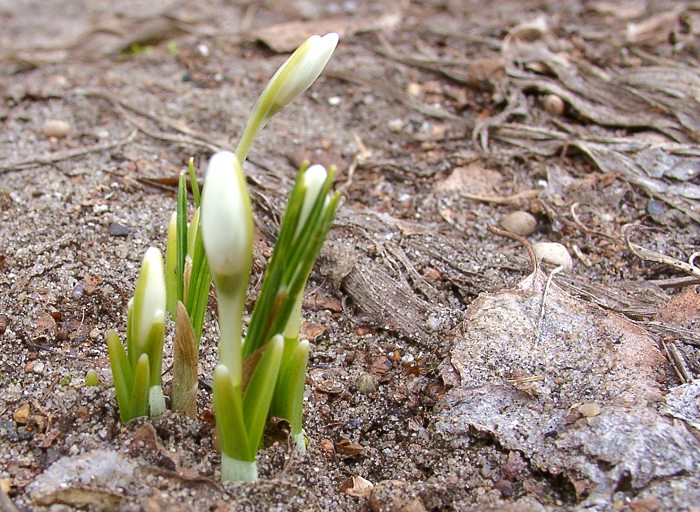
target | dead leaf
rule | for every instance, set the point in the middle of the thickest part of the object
(380, 366)
(357, 486)
(317, 301)
(45, 323)
(82, 497)
(654, 29)
(681, 308)
(285, 37)
(346, 447)
(471, 179)
(185, 359)
(21, 415)
(311, 331)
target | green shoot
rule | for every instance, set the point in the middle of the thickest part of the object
(136, 370)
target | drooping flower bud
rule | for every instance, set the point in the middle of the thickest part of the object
(301, 69)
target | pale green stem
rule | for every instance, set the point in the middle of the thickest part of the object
(255, 123)
(233, 470)
(299, 441)
(156, 400)
(291, 330)
(231, 303)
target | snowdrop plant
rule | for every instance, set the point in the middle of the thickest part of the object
(296, 75)
(265, 372)
(188, 281)
(136, 369)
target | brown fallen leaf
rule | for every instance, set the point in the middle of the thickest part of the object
(83, 497)
(348, 448)
(311, 331)
(285, 37)
(21, 415)
(357, 486)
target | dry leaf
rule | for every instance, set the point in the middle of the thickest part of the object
(357, 486)
(346, 447)
(83, 497)
(472, 179)
(311, 331)
(285, 37)
(185, 361)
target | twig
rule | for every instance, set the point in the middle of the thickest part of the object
(649, 255)
(362, 155)
(522, 240)
(677, 361)
(525, 194)
(583, 227)
(50, 158)
(538, 330)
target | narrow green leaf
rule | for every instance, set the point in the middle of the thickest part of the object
(258, 395)
(193, 183)
(154, 348)
(138, 401)
(200, 284)
(228, 410)
(121, 373)
(181, 235)
(171, 279)
(289, 393)
(259, 330)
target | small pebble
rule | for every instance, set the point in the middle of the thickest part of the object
(554, 104)
(655, 208)
(56, 128)
(519, 222)
(366, 383)
(505, 487)
(395, 125)
(38, 367)
(334, 101)
(116, 229)
(554, 253)
(589, 410)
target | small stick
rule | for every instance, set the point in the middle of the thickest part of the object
(526, 194)
(538, 330)
(677, 361)
(648, 255)
(517, 238)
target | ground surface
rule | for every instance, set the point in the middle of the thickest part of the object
(446, 369)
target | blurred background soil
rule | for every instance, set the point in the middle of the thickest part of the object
(450, 368)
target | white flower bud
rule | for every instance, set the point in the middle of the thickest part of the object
(301, 69)
(226, 219)
(313, 180)
(149, 299)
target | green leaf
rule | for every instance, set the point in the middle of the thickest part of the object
(181, 235)
(138, 401)
(288, 401)
(193, 183)
(258, 394)
(198, 291)
(154, 349)
(171, 278)
(121, 373)
(228, 410)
